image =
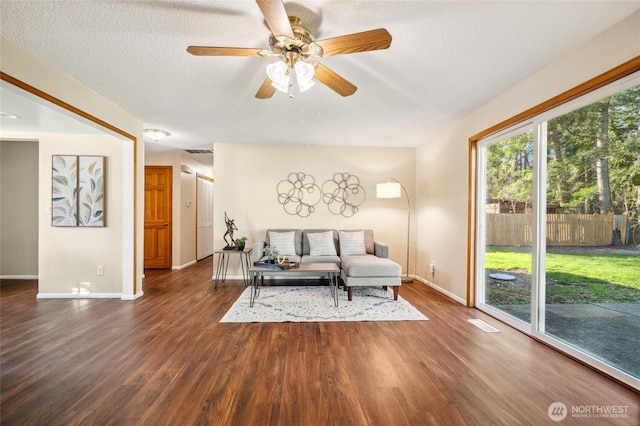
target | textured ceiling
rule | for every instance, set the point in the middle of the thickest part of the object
(446, 59)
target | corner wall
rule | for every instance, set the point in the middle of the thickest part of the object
(442, 162)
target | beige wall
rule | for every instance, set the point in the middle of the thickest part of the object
(18, 209)
(183, 251)
(442, 162)
(22, 65)
(69, 257)
(246, 176)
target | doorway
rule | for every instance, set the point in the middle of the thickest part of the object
(204, 217)
(19, 200)
(157, 216)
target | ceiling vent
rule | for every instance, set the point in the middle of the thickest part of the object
(199, 151)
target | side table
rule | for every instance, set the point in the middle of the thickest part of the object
(223, 264)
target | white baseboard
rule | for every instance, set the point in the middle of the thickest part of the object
(79, 296)
(132, 296)
(441, 290)
(18, 277)
(193, 262)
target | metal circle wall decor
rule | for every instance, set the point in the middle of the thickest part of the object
(298, 194)
(343, 194)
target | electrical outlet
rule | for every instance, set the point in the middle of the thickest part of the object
(100, 270)
(432, 267)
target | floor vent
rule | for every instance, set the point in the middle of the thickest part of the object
(483, 326)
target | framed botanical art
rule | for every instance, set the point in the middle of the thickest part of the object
(78, 190)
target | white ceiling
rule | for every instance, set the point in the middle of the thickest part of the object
(446, 59)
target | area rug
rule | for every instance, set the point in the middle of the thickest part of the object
(315, 304)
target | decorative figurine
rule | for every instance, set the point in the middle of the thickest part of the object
(231, 226)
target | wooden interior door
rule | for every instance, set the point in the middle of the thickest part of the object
(157, 216)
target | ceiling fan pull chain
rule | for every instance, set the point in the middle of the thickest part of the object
(291, 80)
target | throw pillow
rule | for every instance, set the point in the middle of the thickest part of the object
(283, 241)
(352, 243)
(321, 244)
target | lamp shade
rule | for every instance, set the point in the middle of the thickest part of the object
(388, 190)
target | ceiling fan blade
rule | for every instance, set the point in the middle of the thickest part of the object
(222, 51)
(333, 81)
(276, 16)
(266, 90)
(353, 43)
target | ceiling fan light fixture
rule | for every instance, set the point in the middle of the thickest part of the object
(304, 75)
(305, 85)
(279, 73)
(304, 70)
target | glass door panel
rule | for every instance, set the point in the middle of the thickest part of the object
(592, 284)
(507, 223)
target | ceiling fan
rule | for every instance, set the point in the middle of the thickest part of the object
(293, 44)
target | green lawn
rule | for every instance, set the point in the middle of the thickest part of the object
(571, 278)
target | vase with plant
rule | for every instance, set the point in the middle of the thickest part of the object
(240, 243)
(271, 253)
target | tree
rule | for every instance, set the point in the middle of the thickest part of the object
(592, 154)
(509, 175)
(602, 153)
(594, 150)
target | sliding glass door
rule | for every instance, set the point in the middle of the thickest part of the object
(506, 221)
(556, 205)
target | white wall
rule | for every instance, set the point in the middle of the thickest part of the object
(246, 176)
(22, 65)
(19, 209)
(442, 162)
(183, 250)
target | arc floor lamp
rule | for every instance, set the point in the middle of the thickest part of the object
(394, 189)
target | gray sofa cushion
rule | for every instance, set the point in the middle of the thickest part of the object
(322, 259)
(370, 266)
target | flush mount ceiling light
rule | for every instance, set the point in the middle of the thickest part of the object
(155, 134)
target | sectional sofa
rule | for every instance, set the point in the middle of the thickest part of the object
(362, 260)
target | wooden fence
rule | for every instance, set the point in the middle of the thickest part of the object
(562, 229)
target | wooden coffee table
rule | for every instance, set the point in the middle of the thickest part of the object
(257, 273)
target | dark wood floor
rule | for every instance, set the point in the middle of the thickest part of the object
(165, 360)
